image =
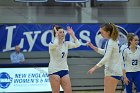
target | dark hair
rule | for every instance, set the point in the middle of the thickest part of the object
(130, 37)
(57, 28)
(109, 27)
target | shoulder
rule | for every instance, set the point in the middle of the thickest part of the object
(110, 41)
(138, 47)
(13, 53)
(21, 53)
(50, 43)
(126, 50)
(124, 46)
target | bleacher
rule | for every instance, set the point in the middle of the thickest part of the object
(79, 63)
(82, 3)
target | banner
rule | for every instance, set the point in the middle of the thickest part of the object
(36, 37)
(24, 80)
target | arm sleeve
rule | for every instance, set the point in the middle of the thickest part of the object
(107, 54)
(101, 51)
(22, 58)
(54, 44)
(74, 44)
(122, 62)
(12, 58)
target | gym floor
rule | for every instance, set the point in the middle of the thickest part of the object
(96, 91)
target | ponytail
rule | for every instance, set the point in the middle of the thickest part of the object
(112, 29)
(115, 33)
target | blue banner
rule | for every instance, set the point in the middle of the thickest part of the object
(36, 37)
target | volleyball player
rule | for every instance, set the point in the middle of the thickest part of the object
(58, 68)
(124, 46)
(111, 59)
(131, 56)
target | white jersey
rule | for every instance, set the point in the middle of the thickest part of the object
(58, 55)
(123, 47)
(112, 59)
(131, 60)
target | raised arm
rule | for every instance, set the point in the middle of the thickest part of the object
(54, 44)
(76, 42)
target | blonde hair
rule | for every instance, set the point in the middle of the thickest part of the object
(130, 37)
(115, 32)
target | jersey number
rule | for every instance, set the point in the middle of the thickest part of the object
(134, 62)
(63, 53)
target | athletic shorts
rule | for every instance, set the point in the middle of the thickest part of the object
(117, 77)
(60, 73)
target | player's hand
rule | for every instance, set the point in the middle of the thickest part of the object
(92, 70)
(126, 81)
(88, 43)
(56, 32)
(70, 30)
